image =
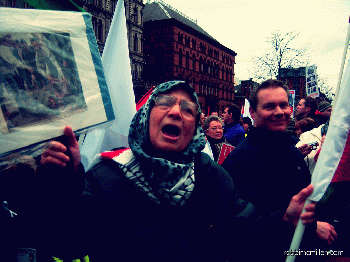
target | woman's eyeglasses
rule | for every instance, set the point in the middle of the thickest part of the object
(188, 108)
(216, 128)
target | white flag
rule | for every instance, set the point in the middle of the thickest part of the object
(117, 69)
(334, 144)
(245, 110)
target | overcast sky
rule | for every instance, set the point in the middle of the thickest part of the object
(244, 25)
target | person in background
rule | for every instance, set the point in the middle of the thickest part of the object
(303, 125)
(323, 112)
(202, 118)
(214, 133)
(268, 170)
(162, 199)
(312, 136)
(247, 122)
(207, 148)
(36, 212)
(233, 131)
(306, 108)
(325, 108)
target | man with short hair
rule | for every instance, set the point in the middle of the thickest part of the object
(325, 108)
(323, 112)
(233, 131)
(268, 170)
(306, 108)
(247, 122)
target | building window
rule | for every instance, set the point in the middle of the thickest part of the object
(136, 43)
(10, 3)
(210, 51)
(187, 41)
(180, 58)
(112, 5)
(98, 3)
(94, 25)
(136, 17)
(187, 60)
(193, 63)
(194, 44)
(180, 38)
(100, 30)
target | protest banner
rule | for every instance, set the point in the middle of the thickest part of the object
(52, 76)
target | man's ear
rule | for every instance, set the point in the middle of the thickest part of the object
(252, 112)
(206, 132)
(308, 109)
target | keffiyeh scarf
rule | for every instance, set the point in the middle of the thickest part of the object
(169, 179)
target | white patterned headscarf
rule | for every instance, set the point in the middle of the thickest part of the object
(171, 176)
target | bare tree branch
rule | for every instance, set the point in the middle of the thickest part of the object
(281, 54)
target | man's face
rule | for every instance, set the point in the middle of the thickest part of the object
(226, 116)
(272, 111)
(245, 126)
(301, 108)
(202, 119)
(327, 112)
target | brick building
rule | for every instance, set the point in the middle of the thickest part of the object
(175, 47)
(171, 37)
(294, 78)
(243, 90)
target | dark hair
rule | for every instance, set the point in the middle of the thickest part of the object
(235, 111)
(247, 120)
(305, 124)
(210, 119)
(311, 102)
(271, 83)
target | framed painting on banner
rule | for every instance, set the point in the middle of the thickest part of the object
(51, 76)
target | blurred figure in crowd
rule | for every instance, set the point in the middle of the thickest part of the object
(213, 128)
(233, 131)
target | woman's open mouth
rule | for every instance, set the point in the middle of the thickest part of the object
(171, 131)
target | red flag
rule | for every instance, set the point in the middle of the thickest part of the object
(343, 171)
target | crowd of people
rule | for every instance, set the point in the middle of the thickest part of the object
(169, 198)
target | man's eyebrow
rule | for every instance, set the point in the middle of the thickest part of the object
(269, 104)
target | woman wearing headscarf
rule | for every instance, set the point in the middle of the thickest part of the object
(161, 199)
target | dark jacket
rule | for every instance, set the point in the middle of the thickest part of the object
(129, 226)
(45, 203)
(268, 170)
(216, 145)
(234, 133)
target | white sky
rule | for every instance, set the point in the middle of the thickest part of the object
(244, 25)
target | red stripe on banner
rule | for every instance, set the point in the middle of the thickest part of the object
(343, 170)
(144, 99)
(113, 154)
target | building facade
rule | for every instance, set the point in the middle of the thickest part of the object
(174, 45)
(294, 78)
(176, 48)
(102, 13)
(243, 90)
